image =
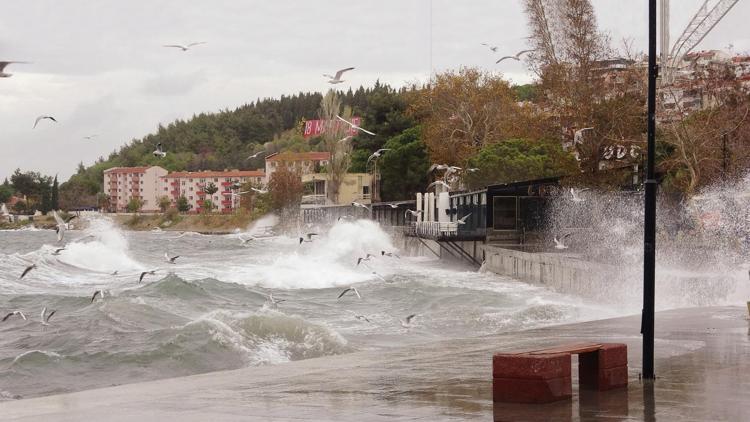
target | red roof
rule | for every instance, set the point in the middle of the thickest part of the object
(204, 174)
(126, 169)
(299, 156)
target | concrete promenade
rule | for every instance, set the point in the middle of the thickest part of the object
(703, 369)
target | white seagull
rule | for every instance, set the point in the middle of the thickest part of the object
(17, 313)
(375, 155)
(462, 220)
(491, 47)
(3, 65)
(358, 205)
(159, 152)
(99, 293)
(261, 191)
(273, 301)
(367, 258)
(344, 139)
(169, 259)
(394, 206)
(26, 271)
(336, 79)
(255, 155)
(308, 236)
(575, 194)
(185, 47)
(90, 137)
(517, 57)
(57, 251)
(412, 212)
(559, 243)
(350, 289)
(359, 316)
(149, 272)
(439, 182)
(391, 254)
(355, 127)
(61, 226)
(406, 322)
(45, 316)
(43, 117)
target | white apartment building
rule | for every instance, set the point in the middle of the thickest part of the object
(125, 183)
(192, 186)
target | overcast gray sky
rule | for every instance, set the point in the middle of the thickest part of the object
(99, 68)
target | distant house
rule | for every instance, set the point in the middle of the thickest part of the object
(302, 162)
(192, 186)
(125, 183)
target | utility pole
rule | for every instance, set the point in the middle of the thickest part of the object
(724, 157)
(649, 235)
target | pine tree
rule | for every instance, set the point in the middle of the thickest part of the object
(55, 195)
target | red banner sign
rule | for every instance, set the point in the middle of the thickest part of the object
(318, 127)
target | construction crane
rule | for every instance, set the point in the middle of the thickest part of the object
(708, 15)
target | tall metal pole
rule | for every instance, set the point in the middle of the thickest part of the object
(649, 237)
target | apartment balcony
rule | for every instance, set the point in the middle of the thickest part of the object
(175, 193)
(200, 193)
(226, 192)
(175, 183)
(227, 184)
(314, 199)
(226, 202)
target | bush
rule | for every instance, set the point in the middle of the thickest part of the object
(183, 205)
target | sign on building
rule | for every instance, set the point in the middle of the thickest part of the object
(318, 127)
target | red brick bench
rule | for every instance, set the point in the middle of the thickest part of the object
(543, 376)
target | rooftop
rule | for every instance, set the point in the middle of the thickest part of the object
(127, 169)
(299, 156)
(204, 174)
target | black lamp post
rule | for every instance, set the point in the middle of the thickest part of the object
(649, 237)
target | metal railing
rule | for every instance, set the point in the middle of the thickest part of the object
(431, 229)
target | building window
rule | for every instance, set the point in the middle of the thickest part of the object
(191, 188)
(365, 190)
(504, 213)
(191, 198)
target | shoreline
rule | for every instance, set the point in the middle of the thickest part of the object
(445, 380)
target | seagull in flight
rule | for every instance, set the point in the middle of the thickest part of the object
(45, 316)
(254, 155)
(336, 79)
(61, 226)
(358, 205)
(350, 289)
(185, 47)
(367, 258)
(355, 127)
(394, 206)
(308, 236)
(43, 117)
(3, 65)
(391, 254)
(412, 212)
(462, 220)
(169, 259)
(273, 301)
(359, 316)
(472, 170)
(439, 182)
(57, 251)
(159, 152)
(575, 195)
(406, 322)
(344, 139)
(491, 47)
(99, 293)
(375, 155)
(559, 243)
(16, 313)
(143, 274)
(517, 57)
(90, 137)
(260, 191)
(245, 241)
(26, 271)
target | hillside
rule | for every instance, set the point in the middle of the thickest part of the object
(222, 140)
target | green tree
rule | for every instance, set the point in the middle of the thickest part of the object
(516, 160)
(207, 206)
(182, 204)
(20, 207)
(210, 189)
(403, 169)
(164, 203)
(55, 195)
(134, 205)
(46, 202)
(6, 191)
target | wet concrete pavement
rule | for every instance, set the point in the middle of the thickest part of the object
(702, 365)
